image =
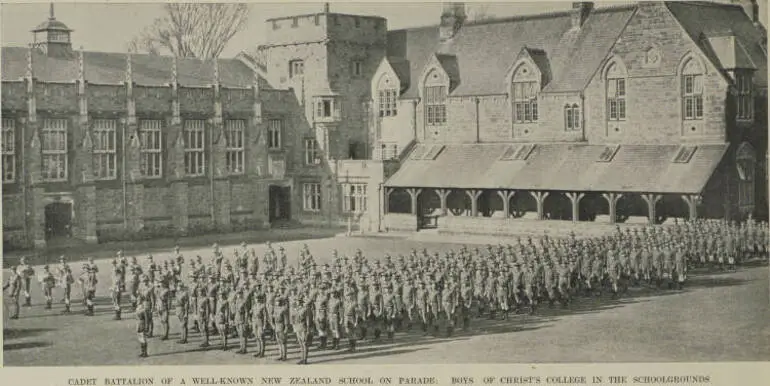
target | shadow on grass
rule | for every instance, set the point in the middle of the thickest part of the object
(20, 333)
(24, 345)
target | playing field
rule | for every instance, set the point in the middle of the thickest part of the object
(718, 317)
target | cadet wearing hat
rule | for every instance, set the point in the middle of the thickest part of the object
(65, 282)
(48, 282)
(15, 284)
(144, 306)
(117, 288)
(182, 302)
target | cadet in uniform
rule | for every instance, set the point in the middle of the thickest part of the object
(117, 287)
(222, 318)
(15, 284)
(280, 326)
(145, 303)
(241, 318)
(48, 282)
(27, 273)
(65, 282)
(259, 318)
(299, 321)
(182, 300)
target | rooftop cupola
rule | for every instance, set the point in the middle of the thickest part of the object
(53, 37)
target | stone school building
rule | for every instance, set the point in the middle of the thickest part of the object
(655, 110)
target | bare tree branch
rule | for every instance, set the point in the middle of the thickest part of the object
(192, 30)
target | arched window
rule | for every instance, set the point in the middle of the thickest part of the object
(572, 117)
(745, 161)
(525, 88)
(387, 95)
(692, 90)
(435, 99)
(616, 92)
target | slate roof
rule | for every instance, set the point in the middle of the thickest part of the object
(562, 166)
(485, 51)
(110, 67)
(722, 17)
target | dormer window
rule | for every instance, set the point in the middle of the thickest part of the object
(435, 105)
(692, 90)
(616, 93)
(387, 95)
(745, 103)
(525, 89)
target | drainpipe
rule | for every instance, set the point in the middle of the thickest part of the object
(583, 116)
(211, 175)
(23, 163)
(123, 175)
(414, 119)
(478, 126)
(380, 208)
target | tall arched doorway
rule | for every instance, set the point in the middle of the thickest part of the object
(58, 219)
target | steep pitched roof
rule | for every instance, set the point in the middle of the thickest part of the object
(486, 50)
(722, 17)
(110, 67)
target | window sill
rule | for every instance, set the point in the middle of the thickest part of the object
(525, 122)
(314, 211)
(276, 150)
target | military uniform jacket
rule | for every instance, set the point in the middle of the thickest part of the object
(241, 310)
(48, 280)
(14, 283)
(182, 301)
(65, 276)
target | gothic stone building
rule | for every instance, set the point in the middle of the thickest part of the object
(650, 111)
(655, 110)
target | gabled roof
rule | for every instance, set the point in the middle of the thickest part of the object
(486, 50)
(110, 67)
(401, 67)
(722, 17)
(450, 66)
(540, 59)
(730, 52)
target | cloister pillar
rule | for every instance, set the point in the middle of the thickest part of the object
(692, 203)
(442, 196)
(506, 195)
(386, 200)
(474, 194)
(575, 198)
(414, 194)
(540, 200)
(612, 201)
(652, 202)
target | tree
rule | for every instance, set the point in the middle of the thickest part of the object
(192, 30)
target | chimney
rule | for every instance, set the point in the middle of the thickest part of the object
(750, 7)
(452, 18)
(580, 12)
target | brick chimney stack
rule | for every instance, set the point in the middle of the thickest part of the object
(580, 12)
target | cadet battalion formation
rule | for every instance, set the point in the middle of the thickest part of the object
(356, 298)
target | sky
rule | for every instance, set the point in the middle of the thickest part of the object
(102, 26)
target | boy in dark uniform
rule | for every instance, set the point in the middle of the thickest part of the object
(182, 301)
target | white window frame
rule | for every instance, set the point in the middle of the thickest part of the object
(572, 120)
(387, 101)
(435, 105)
(692, 78)
(9, 150)
(195, 147)
(311, 152)
(151, 139)
(616, 99)
(235, 129)
(327, 107)
(311, 196)
(274, 134)
(525, 101)
(105, 149)
(296, 68)
(744, 98)
(354, 198)
(54, 149)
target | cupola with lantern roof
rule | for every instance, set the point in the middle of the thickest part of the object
(53, 37)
